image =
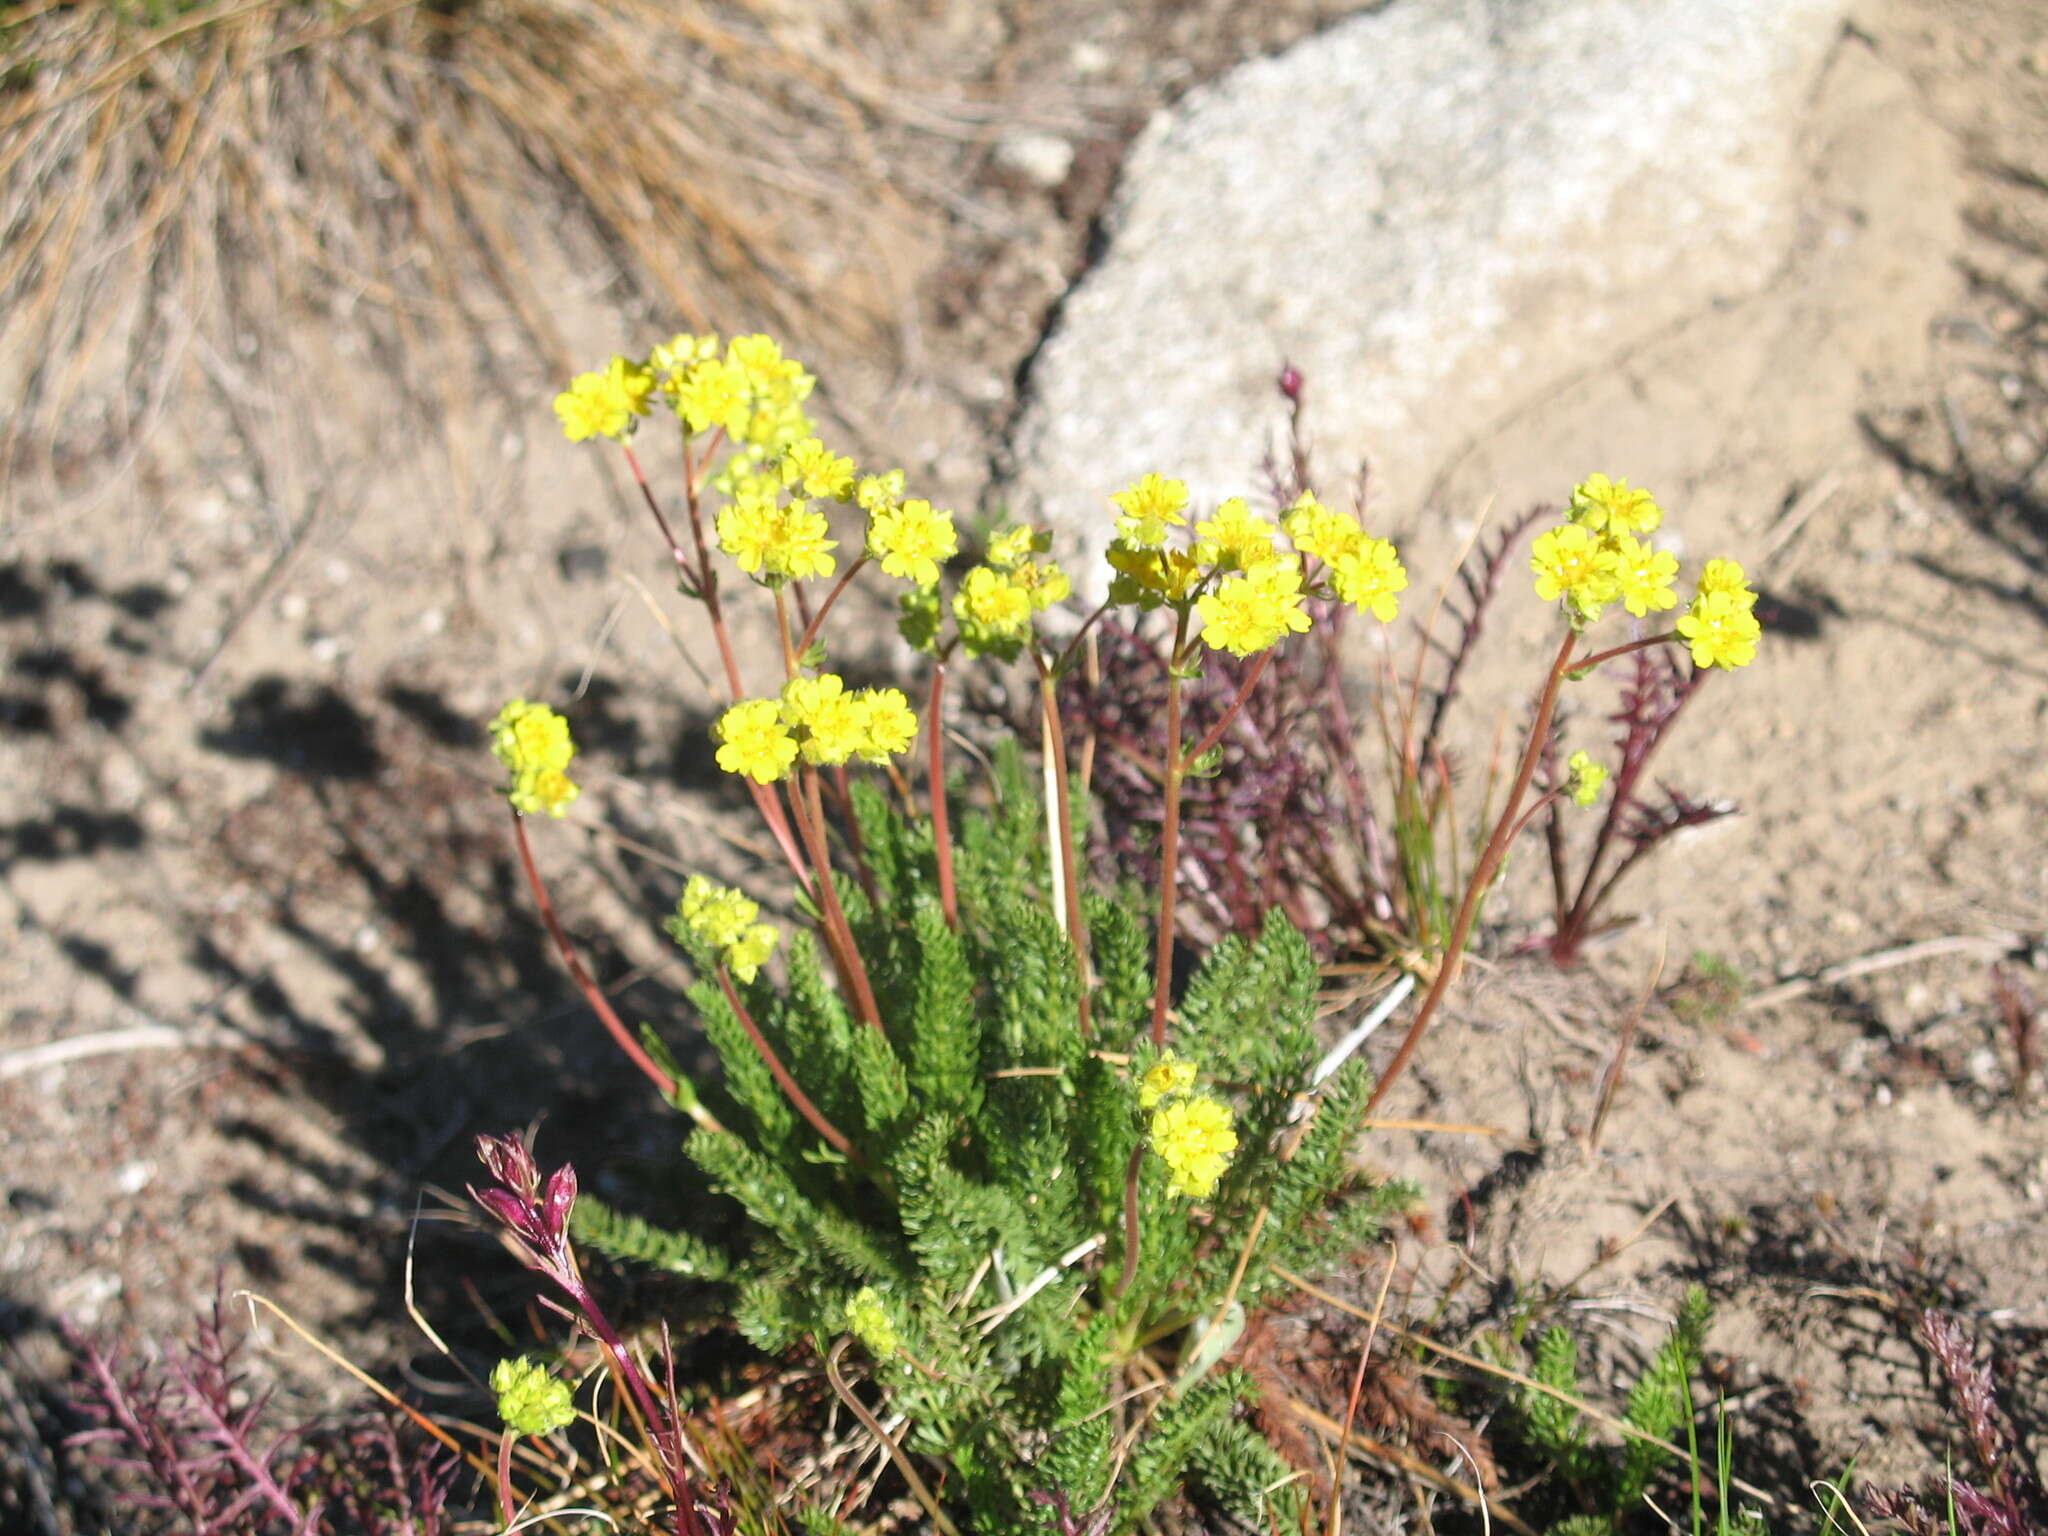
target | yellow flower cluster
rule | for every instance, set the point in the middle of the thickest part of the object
(868, 1320)
(751, 390)
(818, 719)
(725, 921)
(604, 404)
(534, 744)
(1586, 778)
(912, 538)
(1596, 559)
(776, 541)
(1192, 1132)
(1248, 592)
(1167, 1078)
(747, 389)
(1195, 1138)
(1248, 613)
(1721, 626)
(996, 601)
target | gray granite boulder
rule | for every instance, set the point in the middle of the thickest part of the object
(1437, 210)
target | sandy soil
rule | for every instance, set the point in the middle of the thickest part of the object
(244, 806)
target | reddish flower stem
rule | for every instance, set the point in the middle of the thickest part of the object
(1244, 693)
(1482, 874)
(505, 1508)
(796, 1096)
(810, 818)
(1623, 650)
(1169, 840)
(811, 629)
(599, 1005)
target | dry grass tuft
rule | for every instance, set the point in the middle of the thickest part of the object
(179, 180)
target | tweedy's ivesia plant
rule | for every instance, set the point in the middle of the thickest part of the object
(1010, 1188)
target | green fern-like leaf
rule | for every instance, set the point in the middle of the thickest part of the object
(1657, 1404)
(628, 1238)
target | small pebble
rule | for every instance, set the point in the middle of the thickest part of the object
(134, 1177)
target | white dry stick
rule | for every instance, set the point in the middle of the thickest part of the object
(989, 1320)
(108, 1042)
(1362, 1031)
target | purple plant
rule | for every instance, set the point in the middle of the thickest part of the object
(207, 1454)
(1635, 823)
(535, 1213)
(2008, 1502)
(1286, 818)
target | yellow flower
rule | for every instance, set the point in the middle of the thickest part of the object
(534, 744)
(722, 919)
(889, 722)
(1602, 505)
(868, 1320)
(678, 354)
(1010, 549)
(1248, 613)
(1644, 575)
(1721, 630)
(1234, 539)
(1149, 577)
(1726, 576)
(821, 472)
(1195, 1138)
(1572, 564)
(604, 404)
(833, 723)
(1045, 581)
(1320, 533)
(877, 493)
(715, 913)
(1150, 506)
(1368, 575)
(530, 1400)
(1587, 777)
(754, 741)
(760, 363)
(713, 394)
(913, 540)
(1166, 1078)
(530, 737)
(543, 789)
(776, 543)
(745, 955)
(994, 610)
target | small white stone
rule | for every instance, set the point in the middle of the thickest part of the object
(292, 607)
(133, 1178)
(433, 621)
(1093, 58)
(1043, 159)
(327, 648)
(366, 939)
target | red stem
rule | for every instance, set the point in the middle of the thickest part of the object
(1482, 874)
(505, 1476)
(817, 621)
(675, 549)
(1623, 650)
(811, 823)
(635, 1053)
(1169, 841)
(780, 1073)
(1244, 693)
